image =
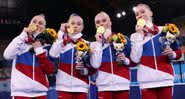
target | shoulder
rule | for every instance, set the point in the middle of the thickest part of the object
(136, 35)
(160, 28)
(86, 41)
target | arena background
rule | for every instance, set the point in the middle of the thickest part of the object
(15, 14)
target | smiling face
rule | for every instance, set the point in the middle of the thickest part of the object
(76, 23)
(40, 22)
(102, 19)
(142, 11)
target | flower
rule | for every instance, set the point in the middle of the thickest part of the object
(118, 46)
(48, 36)
(172, 28)
(52, 32)
(118, 38)
(122, 39)
(118, 41)
(169, 33)
(83, 53)
(81, 46)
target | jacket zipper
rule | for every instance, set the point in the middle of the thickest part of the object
(155, 60)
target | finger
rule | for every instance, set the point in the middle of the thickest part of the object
(79, 67)
(167, 52)
(121, 55)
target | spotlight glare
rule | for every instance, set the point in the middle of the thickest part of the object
(123, 13)
(118, 15)
(134, 9)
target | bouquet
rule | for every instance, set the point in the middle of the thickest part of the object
(170, 32)
(47, 37)
(119, 41)
(82, 54)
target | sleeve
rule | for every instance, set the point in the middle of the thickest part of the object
(177, 51)
(96, 56)
(46, 62)
(127, 51)
(136, 47)
(57, 46)
(16, 46)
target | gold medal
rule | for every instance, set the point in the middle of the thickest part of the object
(141, 22)
(33, 27)
(100, 29)
(69, 30)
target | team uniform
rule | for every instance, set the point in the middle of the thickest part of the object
(29, 69)
(69, 81)
(112, 80)
(155, 69)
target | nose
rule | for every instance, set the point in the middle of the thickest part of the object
(75, 27)
(101, 24)
(139, 16)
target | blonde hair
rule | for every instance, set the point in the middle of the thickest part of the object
(145, 5)
(42, 15)
(74, 15)
(102, 12)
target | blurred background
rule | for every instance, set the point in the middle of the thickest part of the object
(16, 14)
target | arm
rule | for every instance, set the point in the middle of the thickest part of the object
(136, 47)
(125, 56)
(44, 61)
(16, 46)
(57, 45)
(174, 51)
(96, 56)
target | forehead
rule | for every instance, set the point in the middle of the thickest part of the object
(75, 18)
(39, 18)
(101, 16)
(141, 7)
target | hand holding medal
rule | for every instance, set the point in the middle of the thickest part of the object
(140, 25)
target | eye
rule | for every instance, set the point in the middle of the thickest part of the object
(79, 23)
(142, 11)
(98, 22)
(40, 23)
(34, 21)
(104, 20)
(137, 14)
(72, 23)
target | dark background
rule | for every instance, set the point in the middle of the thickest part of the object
(15, 14)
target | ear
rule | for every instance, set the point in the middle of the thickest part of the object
(82, 27)
(151, 13)
(110, 23)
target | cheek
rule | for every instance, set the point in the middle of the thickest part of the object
(97, 25)
(42, 28)
(137, 17)
(80, 28)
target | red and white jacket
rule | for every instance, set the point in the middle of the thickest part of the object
(154, 69)
(28, 76)
(111, 76)
(68, 79)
